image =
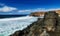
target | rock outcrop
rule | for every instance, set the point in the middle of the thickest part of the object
(58, 11)
(37, 14)
(50, 20)
(47, 26)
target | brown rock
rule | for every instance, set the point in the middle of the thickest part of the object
(37, 14)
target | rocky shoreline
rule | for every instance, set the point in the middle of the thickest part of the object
(47, 26)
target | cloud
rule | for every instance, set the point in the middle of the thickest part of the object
(7, 9)
(32, 10)
(39, 9)
(52, 9)
(24, 10)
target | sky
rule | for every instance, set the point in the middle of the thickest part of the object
(27, 6)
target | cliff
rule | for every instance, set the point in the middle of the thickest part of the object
(47, 26)
(58, 11)
(37, 14)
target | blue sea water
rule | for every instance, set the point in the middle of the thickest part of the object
(10, 25)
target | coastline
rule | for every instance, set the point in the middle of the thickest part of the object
(48, 23)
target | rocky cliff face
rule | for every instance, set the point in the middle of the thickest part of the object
(37, 14)
(47, 26)
(50, 20)
(58, 11)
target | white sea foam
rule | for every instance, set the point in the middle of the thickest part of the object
(10, 25)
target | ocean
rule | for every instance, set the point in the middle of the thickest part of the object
(10, 25)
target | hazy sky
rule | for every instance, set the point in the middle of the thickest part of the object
(27, 6)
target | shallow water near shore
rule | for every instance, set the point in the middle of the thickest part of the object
(10, 25)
